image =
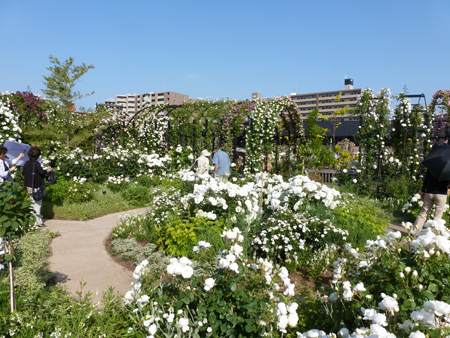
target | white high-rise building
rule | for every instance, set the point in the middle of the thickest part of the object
(132, 103)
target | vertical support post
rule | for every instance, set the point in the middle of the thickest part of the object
(276, 149)
(9, 247)
(234, 143)
(168, 134)
(252, 170)
(181, 134)
(266, 124)
(194, 137)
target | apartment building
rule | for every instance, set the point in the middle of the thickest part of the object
(132, 103)
(325, 101)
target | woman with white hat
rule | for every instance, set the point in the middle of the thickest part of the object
(203, 162)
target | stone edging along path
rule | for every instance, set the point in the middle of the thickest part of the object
(79, 254)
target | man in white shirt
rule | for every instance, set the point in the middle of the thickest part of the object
(5, 169)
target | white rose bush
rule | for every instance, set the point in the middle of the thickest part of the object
(397, 288)
(9, 122)
(237, 300)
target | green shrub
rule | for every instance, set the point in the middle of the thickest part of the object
(57, 193)
(55, 313)
(362, 219)
(71, 191)
(181, 235)
(137, 195)
(298, 241)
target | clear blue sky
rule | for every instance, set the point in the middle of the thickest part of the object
(228, 48)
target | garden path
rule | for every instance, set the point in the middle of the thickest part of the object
(79, 254)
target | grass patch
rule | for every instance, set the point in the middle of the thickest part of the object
(101, 204)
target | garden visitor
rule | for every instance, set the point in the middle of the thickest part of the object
(5, 169)
(203, 162)
(433, 192)
(34, 178)
(221, 162)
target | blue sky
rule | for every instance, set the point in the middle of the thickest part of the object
(218, 49)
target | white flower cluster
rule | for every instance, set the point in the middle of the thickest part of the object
(435, 314)
(384, 242)
(298, 189)
(9, 122)
(163, 204)
(135, 291)
(287, 316)
(154, 160)
(2, 248)
(218, 191)
(433, 239)
(153, 132)
(228, 259)
(117, 179)
(181, 266)
(209, 215)
(201, 245)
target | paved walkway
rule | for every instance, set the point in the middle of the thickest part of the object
(79, 254)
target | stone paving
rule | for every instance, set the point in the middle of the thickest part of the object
(79, 254)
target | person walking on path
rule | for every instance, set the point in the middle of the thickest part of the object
(5, 169)
(221, 162)
(203, 162)
(433, 192)
(34, 177)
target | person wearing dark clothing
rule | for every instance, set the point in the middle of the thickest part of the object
(433, 192)
(33, 182)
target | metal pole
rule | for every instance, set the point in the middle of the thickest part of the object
(252, 170)
(265, 148)
(193, 138)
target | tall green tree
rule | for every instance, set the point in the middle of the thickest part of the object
(60, 86)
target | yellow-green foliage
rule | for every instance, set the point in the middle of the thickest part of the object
(363, 220)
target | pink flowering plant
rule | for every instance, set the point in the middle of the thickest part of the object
(232, 121)
(441, 101)
(32, 109)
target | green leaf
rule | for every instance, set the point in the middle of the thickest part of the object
(9, 257)
(433, 287)
(233, 287)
